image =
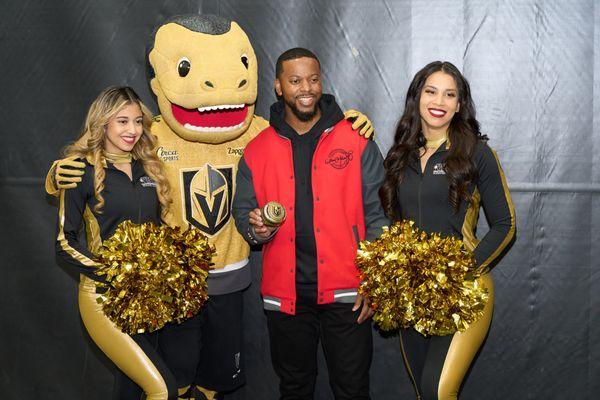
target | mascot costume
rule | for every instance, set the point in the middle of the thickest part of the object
(205, 81)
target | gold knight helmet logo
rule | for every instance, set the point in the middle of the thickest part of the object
(208, 194)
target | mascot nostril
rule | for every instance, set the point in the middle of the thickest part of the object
(209, 84)
(242, 83)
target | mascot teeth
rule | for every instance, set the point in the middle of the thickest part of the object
(221, 107)
(212, 128)
(220, 118)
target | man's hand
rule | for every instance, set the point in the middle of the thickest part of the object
(68, 173)
(256, 222)
(360, 121)
(366, 311)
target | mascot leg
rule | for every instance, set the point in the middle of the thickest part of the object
(179, 346)
(220, 368)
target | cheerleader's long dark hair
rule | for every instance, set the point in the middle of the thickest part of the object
(463, 135)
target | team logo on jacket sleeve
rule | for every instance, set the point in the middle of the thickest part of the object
(339, 158)
(208, 193)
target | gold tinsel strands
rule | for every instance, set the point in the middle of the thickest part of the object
(420, 280)
(155, 275)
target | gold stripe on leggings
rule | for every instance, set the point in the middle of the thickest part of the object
(118, 346)
(464, 347)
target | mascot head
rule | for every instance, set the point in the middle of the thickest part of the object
(205, 77)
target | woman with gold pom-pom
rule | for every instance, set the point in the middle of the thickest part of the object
(123, 180)
(439, 171)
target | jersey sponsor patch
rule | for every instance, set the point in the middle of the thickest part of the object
(438, 169)
(235, 151)
(207, 194)
(167, 155)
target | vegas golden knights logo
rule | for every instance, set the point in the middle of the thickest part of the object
(208, 194)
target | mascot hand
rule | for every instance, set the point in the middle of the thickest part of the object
(67, 173)
(360, 121)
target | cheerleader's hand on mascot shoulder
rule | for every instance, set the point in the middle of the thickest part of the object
(360, 121)
(64, 174)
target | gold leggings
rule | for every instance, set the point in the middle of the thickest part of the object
(143, 366)
(438, 364)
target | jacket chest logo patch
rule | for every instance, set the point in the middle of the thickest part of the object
(146, 181)
(438, 169)
(339, 158)
(208, 193)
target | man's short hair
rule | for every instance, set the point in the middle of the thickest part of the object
(293, 54)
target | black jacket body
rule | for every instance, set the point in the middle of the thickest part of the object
(423, 198)
(124, 199)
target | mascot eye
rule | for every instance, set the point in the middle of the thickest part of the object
(183, 67)
(245, 60)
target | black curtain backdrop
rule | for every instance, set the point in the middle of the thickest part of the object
(534, 71)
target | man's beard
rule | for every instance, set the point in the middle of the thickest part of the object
(303, 116)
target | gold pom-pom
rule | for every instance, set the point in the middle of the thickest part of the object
(420, 280)
(155, 275)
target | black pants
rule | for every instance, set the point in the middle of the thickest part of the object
(348, 348)
(206, 350)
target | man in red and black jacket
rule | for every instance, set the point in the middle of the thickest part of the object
(327, 178)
